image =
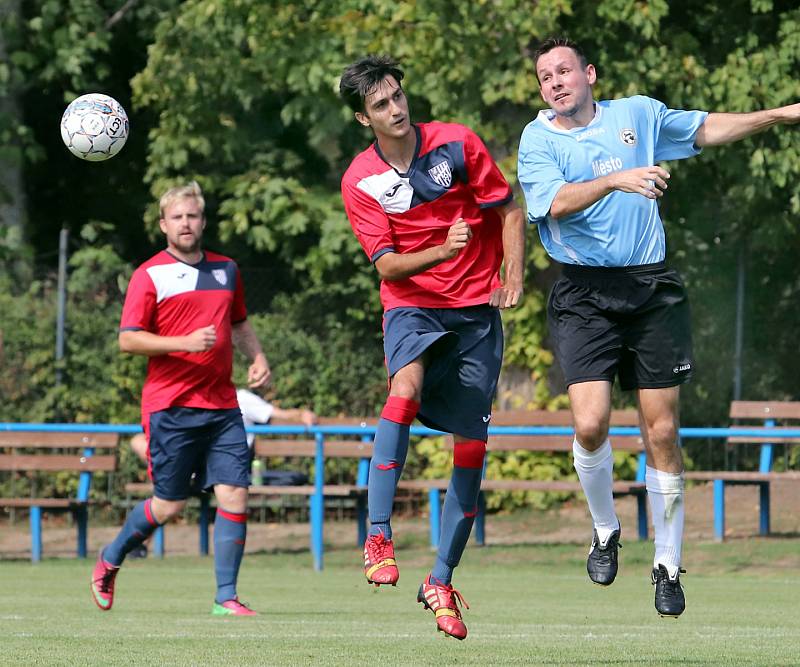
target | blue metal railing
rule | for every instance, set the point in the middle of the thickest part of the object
(367, 432)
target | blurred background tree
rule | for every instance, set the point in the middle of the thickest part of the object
(242, 96)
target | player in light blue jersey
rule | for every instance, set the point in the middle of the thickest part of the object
(591, 181)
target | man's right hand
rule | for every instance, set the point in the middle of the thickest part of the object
(647, 181)
(201, 339)
(458, 236)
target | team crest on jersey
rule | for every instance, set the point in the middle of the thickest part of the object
(628, 136)
(219, 275)
(442, 174)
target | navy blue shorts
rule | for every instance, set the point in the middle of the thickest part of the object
(465, 352)
(632, 322)
(208, 443)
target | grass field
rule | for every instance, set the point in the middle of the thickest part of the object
(531, 605)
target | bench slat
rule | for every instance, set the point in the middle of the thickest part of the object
(50, 463)
(765, 410)
(51, 503)
(519, 485)
(304, 448)
(341, 490)
(554, 443)
(741, 476)
(48, 439)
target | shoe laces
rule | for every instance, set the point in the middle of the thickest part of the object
(450, 596)
(606, 554)
(379, 548)
(105, 584)
(662, 575)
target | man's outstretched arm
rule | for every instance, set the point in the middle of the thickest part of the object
(725, 128)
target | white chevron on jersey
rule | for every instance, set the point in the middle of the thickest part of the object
(393, 192)
(172, 279)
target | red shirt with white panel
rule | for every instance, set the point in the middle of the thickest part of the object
(452, 176)
(169, 297)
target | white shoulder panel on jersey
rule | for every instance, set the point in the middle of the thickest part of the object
(172, 279)
(393, 192)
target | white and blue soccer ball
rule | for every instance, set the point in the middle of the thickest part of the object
(94, 127)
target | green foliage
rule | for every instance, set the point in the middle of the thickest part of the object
(241, 95)
(98, 384)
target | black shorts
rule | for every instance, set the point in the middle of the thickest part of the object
(466, 351)
(629, 321)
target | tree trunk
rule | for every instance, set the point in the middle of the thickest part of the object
(12, 189)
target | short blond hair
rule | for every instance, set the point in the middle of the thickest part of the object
(191, 189)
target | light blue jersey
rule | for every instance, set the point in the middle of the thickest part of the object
(621, 229)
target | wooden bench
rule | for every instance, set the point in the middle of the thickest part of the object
(556, 444)
(756, 414)
(27, 454)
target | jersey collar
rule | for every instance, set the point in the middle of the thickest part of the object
(417, 147)
(545, 117)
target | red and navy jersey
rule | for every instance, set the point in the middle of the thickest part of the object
(452, 176)
(168, 297)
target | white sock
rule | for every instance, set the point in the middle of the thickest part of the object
(665, 493)
(596, 473)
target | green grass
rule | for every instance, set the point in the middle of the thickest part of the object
(530, 605)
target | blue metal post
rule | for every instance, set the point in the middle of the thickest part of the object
(641, 507)
(203, 523)
(36, 534)
(318, 503)
(362, 479)
(765, 465)
(719, 509)
(763, 518)
(641, 499)
(435, 510)
(158, 542)
(82, 519)
(81, 515)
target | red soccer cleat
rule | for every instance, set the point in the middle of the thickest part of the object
(232, 608)
(443, 602)
(380, 566)
(103, 577)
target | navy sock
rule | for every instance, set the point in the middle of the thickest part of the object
(139, 525)
(460, 508)
(230, 532)
(388, 459)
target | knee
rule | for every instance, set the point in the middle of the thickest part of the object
(231, 498)
(406, 388)
(469, 453)
(662, 433)
(164, 510)
(591, 433)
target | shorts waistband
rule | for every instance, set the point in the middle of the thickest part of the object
(582, 271)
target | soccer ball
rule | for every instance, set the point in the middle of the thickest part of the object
(94, 127)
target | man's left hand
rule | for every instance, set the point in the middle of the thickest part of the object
(259, 374)
(506, 296)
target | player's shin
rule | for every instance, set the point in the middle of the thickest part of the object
(596, 474)
(139, 525)
(460, 507)
(388, 458)
(230, 532)
(665, 495)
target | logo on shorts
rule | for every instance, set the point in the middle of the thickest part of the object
(487, 418)
(682, 368)
(219, 275)
(442, 174)
(628, 136)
